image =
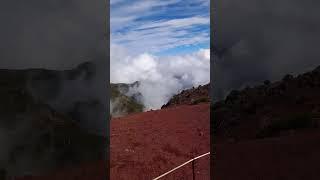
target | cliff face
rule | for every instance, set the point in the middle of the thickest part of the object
(270, 109)
(37, 137)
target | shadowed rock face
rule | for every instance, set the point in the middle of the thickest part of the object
(270, 109)
(36, 135)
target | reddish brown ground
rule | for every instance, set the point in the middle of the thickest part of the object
(146, 145)
(294, 157)
(90, 171)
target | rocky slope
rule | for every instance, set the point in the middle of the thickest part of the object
(190, 96)
(270, 131)
(270, 109)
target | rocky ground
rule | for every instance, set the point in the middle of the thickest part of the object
(190, 96)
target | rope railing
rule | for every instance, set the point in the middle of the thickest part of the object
(191, 160)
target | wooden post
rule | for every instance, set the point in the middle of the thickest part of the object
(193, 174)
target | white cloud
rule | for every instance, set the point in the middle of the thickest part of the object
(140, 29)
(158, 36)
(113, 2)
(160, 77)
(177, 23)
(133, 26)
(127, 13)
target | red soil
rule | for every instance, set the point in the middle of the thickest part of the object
(294, 157)
(90, 171)
(146, 145)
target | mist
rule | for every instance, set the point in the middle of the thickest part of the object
(160, 77)
(53, 34)
(259, 40)
(59, 35)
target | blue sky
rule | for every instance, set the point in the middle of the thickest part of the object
(160, 27)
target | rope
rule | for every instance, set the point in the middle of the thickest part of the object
(181, 166)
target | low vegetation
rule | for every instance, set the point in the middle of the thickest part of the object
(123, 104)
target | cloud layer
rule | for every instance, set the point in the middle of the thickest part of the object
(160, 77)
(155, 26)
(59, 34)
(264, 40)
(162, 44)
(53, 34)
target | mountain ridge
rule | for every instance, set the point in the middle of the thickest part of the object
(124, 103)
(190, 96)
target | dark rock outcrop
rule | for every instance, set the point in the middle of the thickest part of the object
(190, 96)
